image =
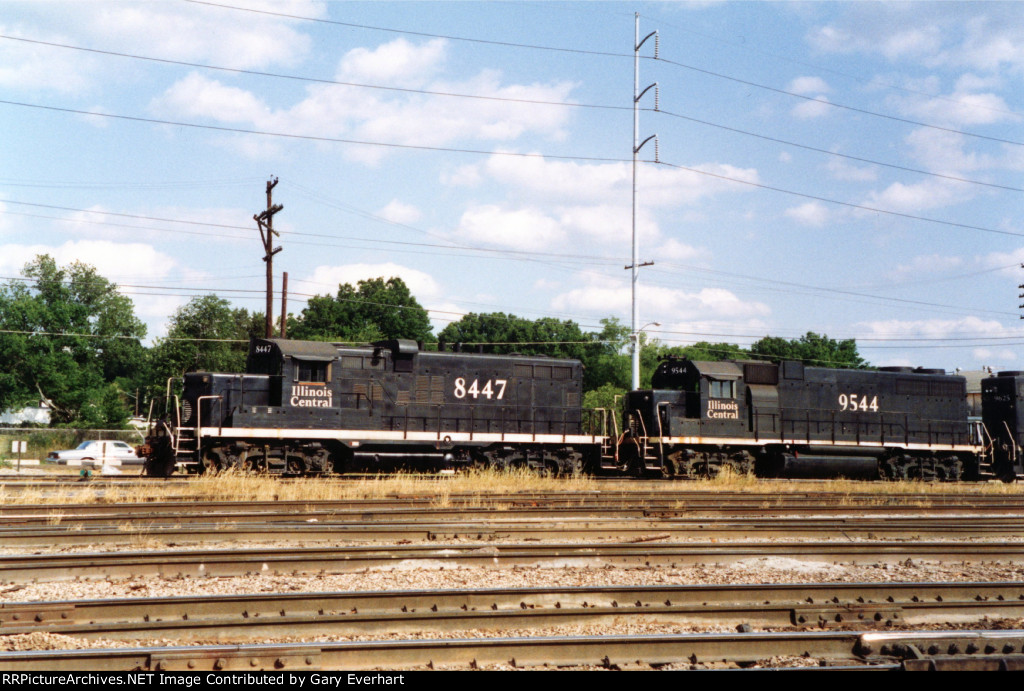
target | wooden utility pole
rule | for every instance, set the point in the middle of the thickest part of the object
(265, 221)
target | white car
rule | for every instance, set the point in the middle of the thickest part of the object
(96, 453)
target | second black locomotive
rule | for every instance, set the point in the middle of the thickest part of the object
(780, 419)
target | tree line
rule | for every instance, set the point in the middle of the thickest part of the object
(68, 338)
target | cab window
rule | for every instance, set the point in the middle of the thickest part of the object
(311, 372)
(721, 389)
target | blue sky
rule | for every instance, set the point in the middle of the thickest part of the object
(852, 168)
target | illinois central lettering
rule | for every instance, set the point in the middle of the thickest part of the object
(729, 410)
(310, 396)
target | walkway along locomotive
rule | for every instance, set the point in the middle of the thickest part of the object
(312, 407)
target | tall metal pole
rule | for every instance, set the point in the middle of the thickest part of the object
(637, 145)
(635, 324)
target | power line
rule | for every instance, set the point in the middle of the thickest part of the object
(511, 254)
(852, 205)
(310, 137)
(277, 75)
(825, 102)
(836, 153)
(830, 70)
(608, 54)
(518, 155)
(314, 80)
(464, 39)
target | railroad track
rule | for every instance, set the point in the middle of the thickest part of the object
(647, 529)
(308, 529)
(16, 516)
(238, 618)
(280, 561)
(869, 650)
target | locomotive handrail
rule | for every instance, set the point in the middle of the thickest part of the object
(1013, 445)
(661, 435)
(905, 426)
(199, 418)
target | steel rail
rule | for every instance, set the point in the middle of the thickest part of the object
(241, 617)
(285, 528)
(357, 511)
(605, 651)
(710, 497)
(201, 563)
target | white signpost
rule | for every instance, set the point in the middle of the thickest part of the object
(19, 447)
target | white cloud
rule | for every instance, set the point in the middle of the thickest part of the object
(931, 266)
(97, 222)
(527, 229)
(571, 182)
(199, 96)
(126, 264)
(395, 118)
(1009, 263)
(940, 328)
(994, 355)
(398, 212)
(985, 37)
(973, 356)
(199, 34)
(672, 249)
(928, 194)
(808, 86)
(813, 214)
(958, 108)
(842, 170)
(816, 108)
(171, 31)
(399, 63)
(660, 303)
(30, 67)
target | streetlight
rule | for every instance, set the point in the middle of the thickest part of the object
(635, 337)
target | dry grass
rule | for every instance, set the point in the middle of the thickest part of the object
(237, 486)
(473, 488)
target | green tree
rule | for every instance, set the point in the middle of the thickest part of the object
(377, 309)
(497, 332)
(812, 349)
(72, 341)
(607, 360)
(205, 335)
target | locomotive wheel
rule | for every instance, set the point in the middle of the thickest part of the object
(296, 465)
(159, 464)
(629, 457)
(210, 463)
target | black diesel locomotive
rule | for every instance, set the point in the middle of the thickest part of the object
(311, 407)
(785, 419)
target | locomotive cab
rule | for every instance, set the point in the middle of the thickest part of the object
(1002, 398)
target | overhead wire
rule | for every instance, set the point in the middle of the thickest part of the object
(277, 75)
